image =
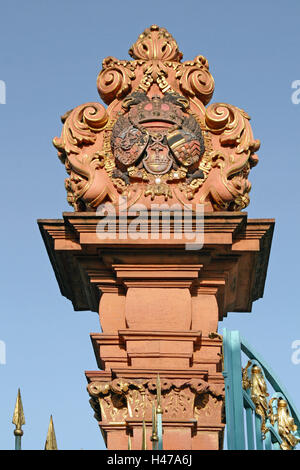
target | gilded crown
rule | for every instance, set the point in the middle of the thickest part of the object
(164, 109)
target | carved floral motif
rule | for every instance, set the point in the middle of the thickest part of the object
(116, 400)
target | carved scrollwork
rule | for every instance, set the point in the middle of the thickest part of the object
(195, 79)
(115, 79)
(236, 154)
(81, 126)
(233, 125)
(81, 169)
(80, 130)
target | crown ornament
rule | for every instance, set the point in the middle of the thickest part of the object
(159, 139)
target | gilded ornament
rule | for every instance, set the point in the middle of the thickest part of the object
(259, 393)
(286, 425)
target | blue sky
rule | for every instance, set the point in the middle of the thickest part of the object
(51, 53)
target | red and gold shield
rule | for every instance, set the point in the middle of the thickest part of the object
(158, 159)
(130, 144)
(185, 147)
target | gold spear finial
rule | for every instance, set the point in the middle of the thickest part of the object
(158, 388)
(18, 417)
(51, 438)
(154, 437)
(144, 436)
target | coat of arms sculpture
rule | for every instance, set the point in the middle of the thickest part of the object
(157, 140)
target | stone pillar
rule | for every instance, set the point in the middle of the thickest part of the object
(159, 306)
(158, 146)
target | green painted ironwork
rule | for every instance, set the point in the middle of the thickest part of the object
(233, 390)
(243, 420)
(18, 443)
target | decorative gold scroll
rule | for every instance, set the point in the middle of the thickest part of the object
(258, 389)
(286, 424)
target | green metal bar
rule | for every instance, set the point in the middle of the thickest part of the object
(159, 412)
(274, 436)
(238, 391)
(276, 446)
(268, 441)
(250, 413)
(250, 433)
(154, 437)
(258, 433)
(228, 389)
(144, 436)
(233, 390)
(18, 442)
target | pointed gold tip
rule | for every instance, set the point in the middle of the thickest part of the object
(154, 423)
(18, 417)
(51, 438)
(144, 441)
(158, 388)
(129, 443)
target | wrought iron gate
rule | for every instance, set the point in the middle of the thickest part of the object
(254, 419)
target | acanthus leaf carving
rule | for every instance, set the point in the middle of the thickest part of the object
(233, 125)
(123, 398)
(235, 156)
(81, 126)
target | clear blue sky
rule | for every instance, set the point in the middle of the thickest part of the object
(51, 52)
